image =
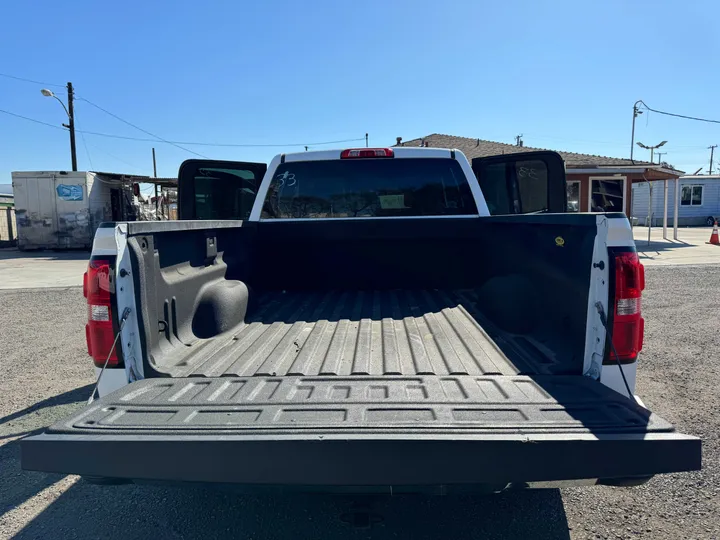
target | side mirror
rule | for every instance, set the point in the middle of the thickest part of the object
(523, 183)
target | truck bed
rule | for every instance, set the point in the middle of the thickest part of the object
(371, 355)
(420, 332)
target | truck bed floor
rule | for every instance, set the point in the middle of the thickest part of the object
(425, 332)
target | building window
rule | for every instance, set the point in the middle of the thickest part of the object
(573, 196)
(607, 194)
(691, 196)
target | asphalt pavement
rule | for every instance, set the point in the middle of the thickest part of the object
(691, 246)
(40, 269)
(46, 374)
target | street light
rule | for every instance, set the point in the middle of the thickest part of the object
(652, 148)
(71, 119)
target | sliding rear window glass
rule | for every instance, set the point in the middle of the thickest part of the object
(388, 187)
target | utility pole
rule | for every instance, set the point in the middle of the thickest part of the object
(660, 155)
(71, 125)
(712, 151)
(518, 140)
(71, 118)
(156, 186)
(366, 140)
(636, 112)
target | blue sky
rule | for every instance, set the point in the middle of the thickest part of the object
(562, 73)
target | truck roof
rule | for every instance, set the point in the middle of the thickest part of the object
(398, 151)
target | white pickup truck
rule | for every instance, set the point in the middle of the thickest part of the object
(372, 319)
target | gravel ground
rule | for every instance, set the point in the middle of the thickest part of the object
(46, 374)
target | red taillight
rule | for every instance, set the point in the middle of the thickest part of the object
(99, 329)
(354, 153)
(628, 324)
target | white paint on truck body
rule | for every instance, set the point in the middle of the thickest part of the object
(612, 378)
(125, 294)
(599, 287)
(112, 379)
(104, 242)
(619, 234)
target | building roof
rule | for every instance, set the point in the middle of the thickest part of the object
(700, 177)
(165, 182)
(473, 148)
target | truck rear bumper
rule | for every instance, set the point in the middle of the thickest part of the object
(363, 431)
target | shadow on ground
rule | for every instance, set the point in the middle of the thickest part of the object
(89, 511)
(657, 247)
(18, 486)
(37, 416)
(43, 506)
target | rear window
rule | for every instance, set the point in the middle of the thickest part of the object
(386, 187)
(519, 187)
(224, 193)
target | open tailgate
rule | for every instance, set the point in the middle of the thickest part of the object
(364, 431)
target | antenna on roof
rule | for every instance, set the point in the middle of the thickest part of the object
(518, 140)
(697, 172)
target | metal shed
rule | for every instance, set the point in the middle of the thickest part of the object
(62, 210)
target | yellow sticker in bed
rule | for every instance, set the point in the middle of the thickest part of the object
(392, 202)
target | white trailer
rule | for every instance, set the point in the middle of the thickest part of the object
(62, 210)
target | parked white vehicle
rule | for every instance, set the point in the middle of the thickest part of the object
(383, 319)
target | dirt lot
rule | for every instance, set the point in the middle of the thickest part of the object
(46, 374)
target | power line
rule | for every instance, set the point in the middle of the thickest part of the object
(219, 145)
(31, 119)
(31, 81)
(271, 145)
(134, 166)
(679, 115)
(123, 137)
(87, 152)
(191, 143)
(139, 128)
